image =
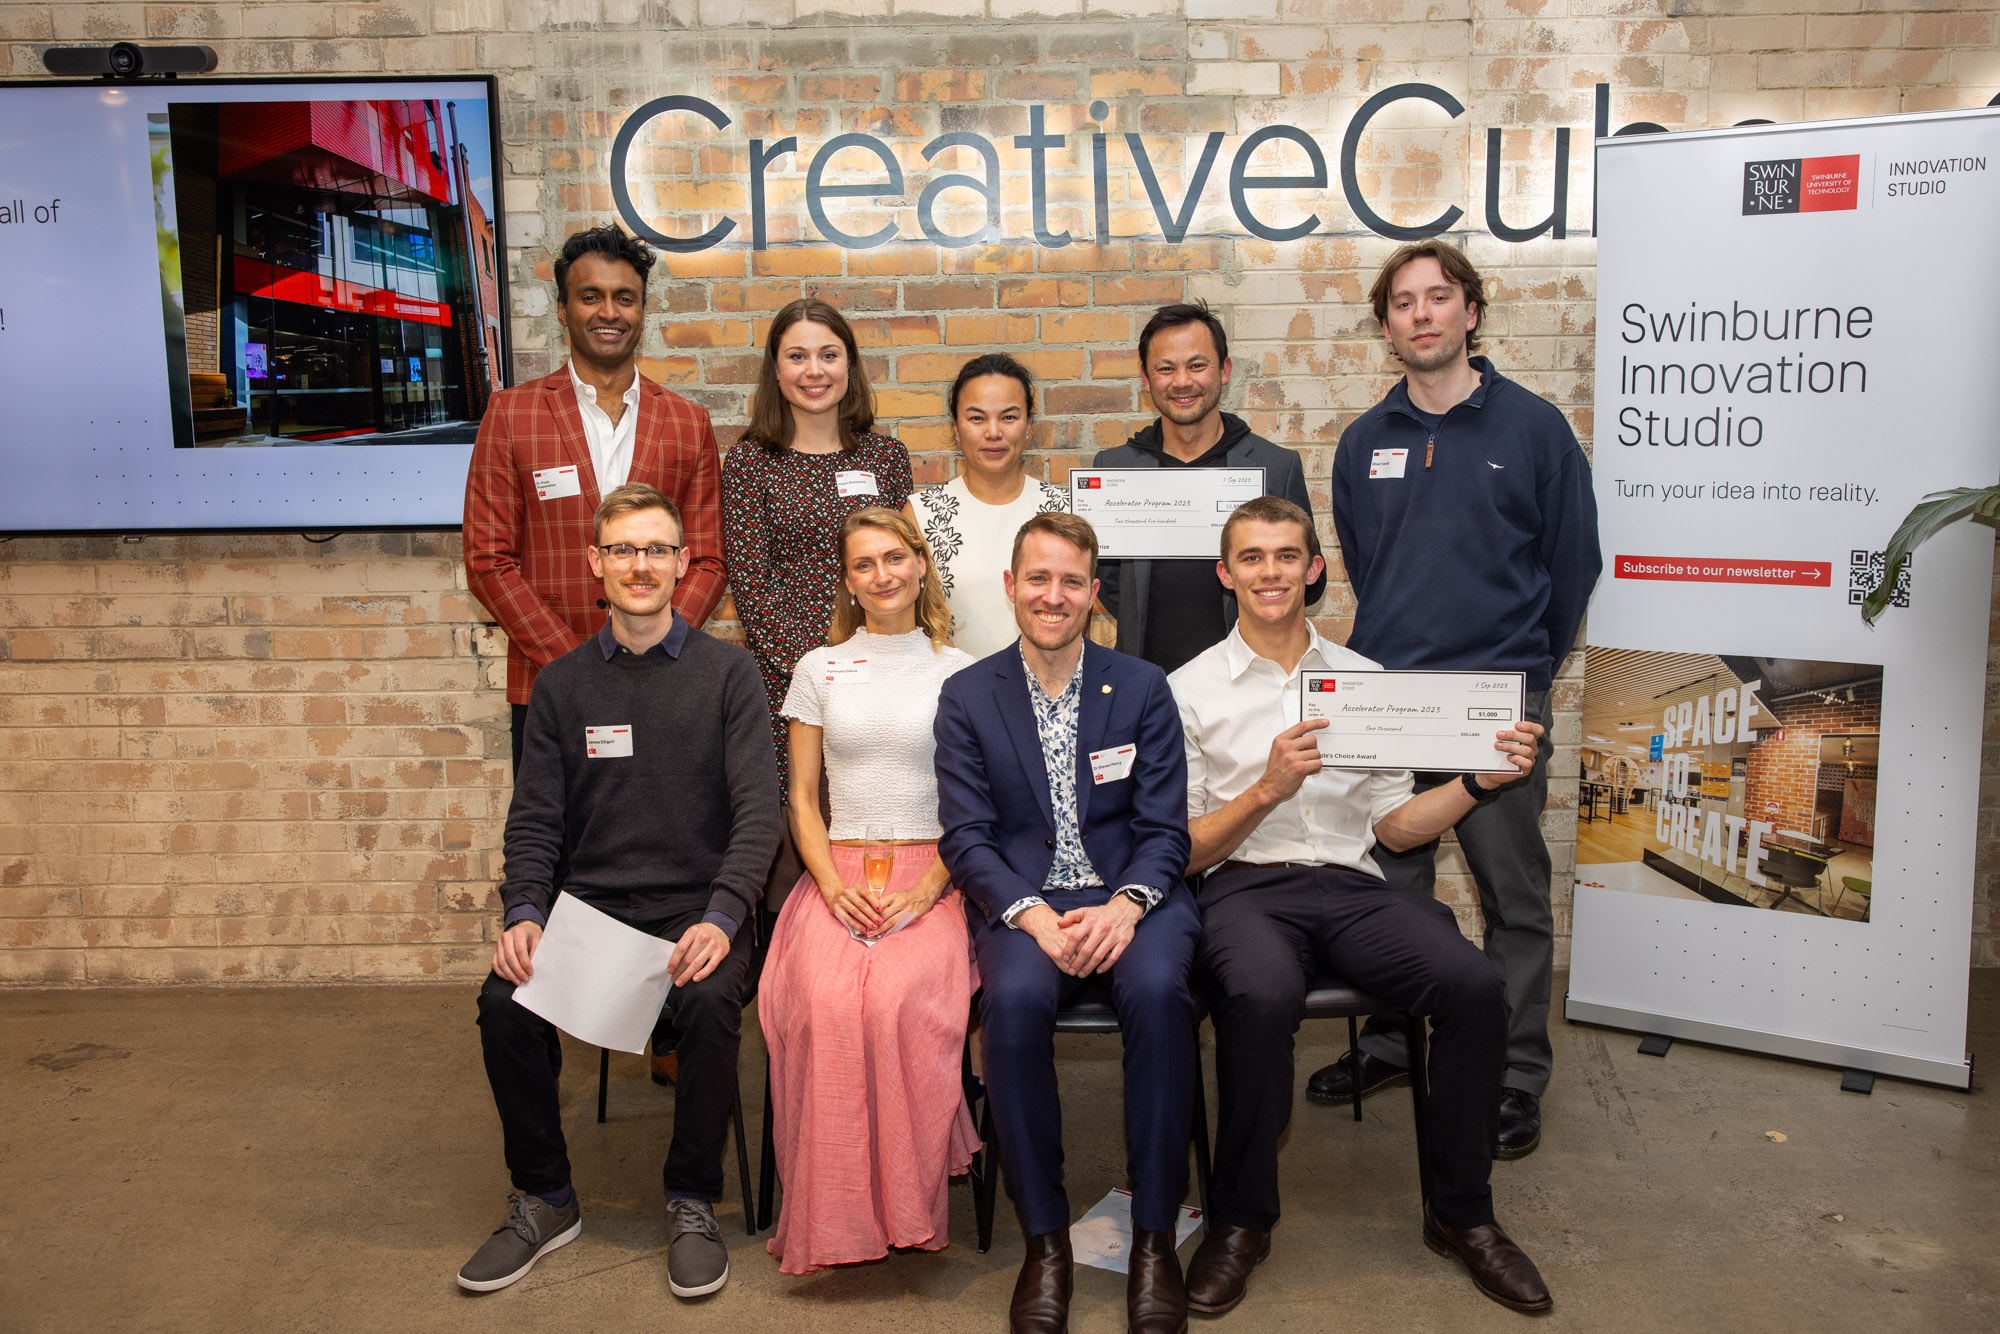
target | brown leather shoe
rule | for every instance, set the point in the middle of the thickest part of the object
(1219, 1274)
(1499, 1268)
(1155, 1298)
(665, 1066)
(1041, 1294)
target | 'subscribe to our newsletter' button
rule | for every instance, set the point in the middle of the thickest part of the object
(1725, 570)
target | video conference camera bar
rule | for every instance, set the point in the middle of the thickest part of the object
(128, 60)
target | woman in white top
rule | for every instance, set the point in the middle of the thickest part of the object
(971, 520)
(865, 994)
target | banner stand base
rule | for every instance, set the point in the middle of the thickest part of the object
(1655, 1044)
(1857, 1081)
(1840, 1056)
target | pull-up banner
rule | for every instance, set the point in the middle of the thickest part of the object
(1777, 820)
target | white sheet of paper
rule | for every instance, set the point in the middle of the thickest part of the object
(1160, 513)
(1102, 1238)
(902, 921)
(1439, 722)
(597, 979)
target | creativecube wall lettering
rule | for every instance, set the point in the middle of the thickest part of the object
(1172, 216)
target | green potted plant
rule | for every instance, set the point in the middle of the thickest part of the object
(1981, 504)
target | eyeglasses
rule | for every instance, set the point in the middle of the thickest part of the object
(623, 553)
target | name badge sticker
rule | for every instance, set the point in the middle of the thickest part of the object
(608, 743)
(846, 669)
(1387, 463)
(555, 483)
(1108, 766)
(855, 483)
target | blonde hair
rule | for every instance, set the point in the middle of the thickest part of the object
(933, 616)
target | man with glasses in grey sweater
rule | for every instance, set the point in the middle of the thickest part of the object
(648, 785)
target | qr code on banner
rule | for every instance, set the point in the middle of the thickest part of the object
(1864, 572)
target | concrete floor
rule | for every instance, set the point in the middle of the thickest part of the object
(264, 1160)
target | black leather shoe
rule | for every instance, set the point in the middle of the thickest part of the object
(1520, 1124)
(1499, 1268)
(1335, 1083)
(1041, 1294)
(1155, 1296)
(1219, 1274)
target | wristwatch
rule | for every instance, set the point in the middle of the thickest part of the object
(1478, 793)
(1137, 895)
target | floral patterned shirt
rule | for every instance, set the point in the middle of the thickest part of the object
(1055, 727)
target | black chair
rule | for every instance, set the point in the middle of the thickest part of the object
(785, 871)
(785, 874)
(735, 1112)
(1089, 1011)
(1330, 998)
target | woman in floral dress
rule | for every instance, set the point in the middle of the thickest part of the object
(809, 458)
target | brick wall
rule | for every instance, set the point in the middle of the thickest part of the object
(1786, 772)
(256, 759)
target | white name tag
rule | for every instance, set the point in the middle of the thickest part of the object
(1388, 462)
(607, 743)
(555, 483)
(846, 669)
(1108, 766)
(856, 484)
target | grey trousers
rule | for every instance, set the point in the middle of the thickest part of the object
(1502, 840)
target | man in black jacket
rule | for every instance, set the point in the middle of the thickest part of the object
(647, 789)
(1170, 610)
(1469, 531)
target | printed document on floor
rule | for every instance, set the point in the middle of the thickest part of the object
(1103, 1237)
(597, 979)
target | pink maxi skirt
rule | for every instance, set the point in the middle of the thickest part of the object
(865, 1042)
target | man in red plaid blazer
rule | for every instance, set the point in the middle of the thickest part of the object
(549, 449)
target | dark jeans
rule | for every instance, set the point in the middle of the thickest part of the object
(524, 1055)
(1502, 840)
(1021, 989)
(1264, 936)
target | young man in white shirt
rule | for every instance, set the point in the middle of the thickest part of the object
(1292, 891)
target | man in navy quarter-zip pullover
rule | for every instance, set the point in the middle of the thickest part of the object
(1468, 527)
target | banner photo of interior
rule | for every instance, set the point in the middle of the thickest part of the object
(1742, 781)
(328, 270)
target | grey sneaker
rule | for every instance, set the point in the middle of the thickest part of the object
(533, 1228)
(697, 1261)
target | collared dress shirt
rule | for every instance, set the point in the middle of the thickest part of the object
(1233, 703)
(1055, 725)
(610, 446)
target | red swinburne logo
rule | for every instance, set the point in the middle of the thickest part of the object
(1802, 185)
(1093, 483)
(1320, 685)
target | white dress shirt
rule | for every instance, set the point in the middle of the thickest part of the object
(610, 446)
(1233, 703)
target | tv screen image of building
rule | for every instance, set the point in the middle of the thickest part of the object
(247, 304)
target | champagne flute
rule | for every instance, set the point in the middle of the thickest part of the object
(878, 856)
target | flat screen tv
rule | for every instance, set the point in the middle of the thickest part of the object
(246, 304)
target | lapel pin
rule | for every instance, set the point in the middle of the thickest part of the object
(1107, 687)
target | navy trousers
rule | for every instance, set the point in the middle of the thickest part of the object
(1502, 841)
(1268, 931)
(1021, 989)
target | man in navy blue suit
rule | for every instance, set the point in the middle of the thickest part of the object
(1062, 788)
